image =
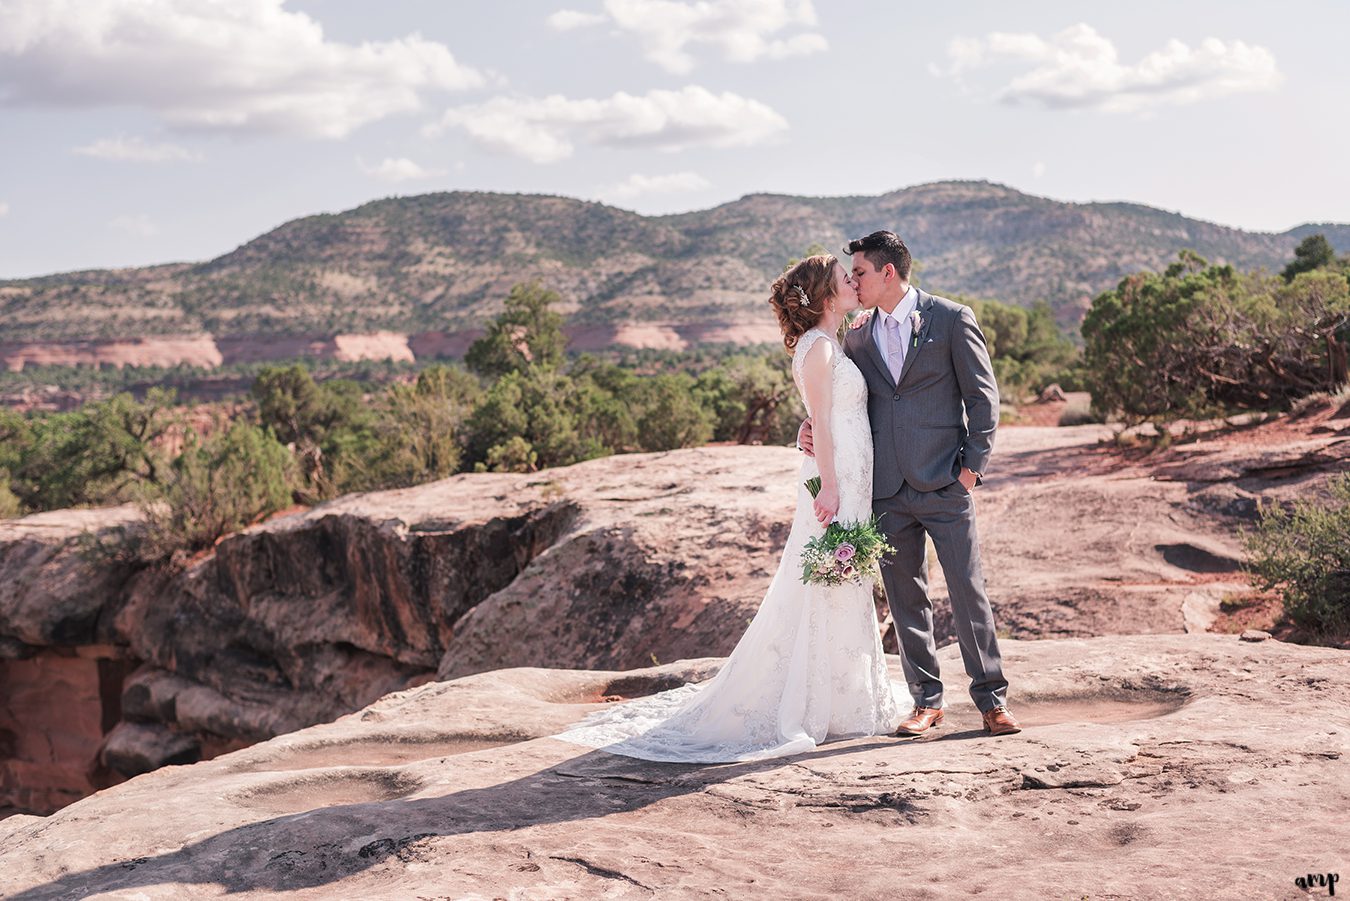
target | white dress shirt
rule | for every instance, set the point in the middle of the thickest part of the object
(908, 304)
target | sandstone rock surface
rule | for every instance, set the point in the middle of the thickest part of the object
(613, 564)
(1150, 766)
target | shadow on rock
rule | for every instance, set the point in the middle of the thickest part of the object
(322, 846)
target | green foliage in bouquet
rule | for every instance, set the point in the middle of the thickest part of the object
(843, 553)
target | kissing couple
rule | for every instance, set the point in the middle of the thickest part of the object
(900, 425)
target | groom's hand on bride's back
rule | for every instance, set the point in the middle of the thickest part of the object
(804, 438)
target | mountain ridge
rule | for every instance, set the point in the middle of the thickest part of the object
(444, 261)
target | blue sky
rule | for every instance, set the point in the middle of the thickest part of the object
(145, 131)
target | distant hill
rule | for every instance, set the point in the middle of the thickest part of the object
(443, 262)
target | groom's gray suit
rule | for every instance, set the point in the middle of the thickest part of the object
(938, 416)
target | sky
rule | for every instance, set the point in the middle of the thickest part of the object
(135, 132)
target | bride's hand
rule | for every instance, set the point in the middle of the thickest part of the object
(827, 504)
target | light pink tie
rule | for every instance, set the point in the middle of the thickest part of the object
(895, 348)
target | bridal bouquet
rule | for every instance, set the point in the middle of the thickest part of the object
(844, 554)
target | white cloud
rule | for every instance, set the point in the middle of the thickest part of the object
(638, 185)
(246, 65)
(139, 225)
(1037, 169)
(568, 19)
(1078, 68)
(741, 31)
(541, 129)
(4, 209)
(136, 149)
(400, 169)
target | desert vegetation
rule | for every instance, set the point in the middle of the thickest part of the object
(1200, 341)
(1195, 340)
(1304, 553)
(518, 403)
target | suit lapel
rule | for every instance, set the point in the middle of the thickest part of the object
(874, 350)
(925, 311)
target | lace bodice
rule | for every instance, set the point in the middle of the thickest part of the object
(848, 425)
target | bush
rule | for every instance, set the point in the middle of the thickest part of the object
(215, 487)
(1198, 341)
(420, 428)
(672, 416)
(538, 406)
(1305, 553)
(512, 455)
(753, 399)
(1313, 252)
(528, 333)
(10, 506)
(97, 454)
(605, 403)
(1026, 347)
(331, 428)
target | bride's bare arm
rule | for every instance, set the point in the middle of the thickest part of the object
(819, 394)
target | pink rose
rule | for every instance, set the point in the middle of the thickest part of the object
(848, 572)
(844, 553)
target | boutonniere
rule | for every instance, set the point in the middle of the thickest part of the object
(915, 324)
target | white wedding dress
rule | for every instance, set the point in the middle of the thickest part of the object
(809, 667)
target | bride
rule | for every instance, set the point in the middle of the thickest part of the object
(809, 667)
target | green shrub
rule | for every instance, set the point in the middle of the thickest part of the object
(528, 333)
(10, 505)
(672, 416)
(1305, 553)
(512, 455)
(331, 428)
(217, 486)
(540, 407)
(1199, 341)
(1026, 347)
(98, 454)
(753, 399)
(420, 427)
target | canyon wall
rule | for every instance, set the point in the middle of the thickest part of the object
(108, 669)
(207, 352)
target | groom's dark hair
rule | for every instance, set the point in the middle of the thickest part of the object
(881, 248)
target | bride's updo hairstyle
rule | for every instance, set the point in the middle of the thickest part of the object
(798, 296)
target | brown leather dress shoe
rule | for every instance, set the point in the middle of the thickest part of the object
(920, 721)
(999, 721)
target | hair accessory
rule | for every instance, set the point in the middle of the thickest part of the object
(799, 295)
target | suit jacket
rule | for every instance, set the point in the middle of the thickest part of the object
(941, 413)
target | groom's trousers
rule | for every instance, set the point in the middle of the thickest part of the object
(948, 515)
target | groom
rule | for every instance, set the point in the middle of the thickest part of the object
(933, 406)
